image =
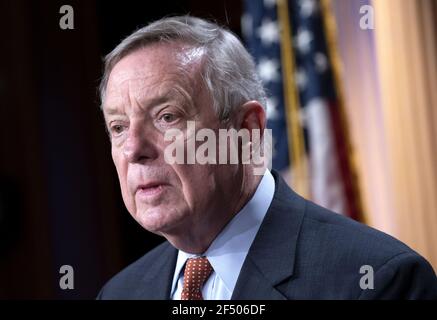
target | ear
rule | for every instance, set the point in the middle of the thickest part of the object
(251, 115)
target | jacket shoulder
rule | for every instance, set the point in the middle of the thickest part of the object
(345, 233)
(340, 251)
(322, 229)
(125, 283)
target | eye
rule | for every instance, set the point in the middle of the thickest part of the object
(168, 117)
(117, 129)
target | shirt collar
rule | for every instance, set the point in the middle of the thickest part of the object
(229, 249)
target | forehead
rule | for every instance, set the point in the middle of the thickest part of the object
(154, 67)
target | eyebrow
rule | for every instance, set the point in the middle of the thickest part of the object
(110, 110)
(114, 110)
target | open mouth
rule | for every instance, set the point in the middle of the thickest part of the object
(151, 189)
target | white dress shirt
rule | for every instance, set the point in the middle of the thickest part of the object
(229, 249)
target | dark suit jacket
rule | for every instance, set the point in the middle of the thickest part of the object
(302, 251)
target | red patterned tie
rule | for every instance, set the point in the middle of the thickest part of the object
(197, 270)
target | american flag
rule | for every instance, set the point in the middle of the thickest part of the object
(328, 173)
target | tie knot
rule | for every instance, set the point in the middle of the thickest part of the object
(197, 270)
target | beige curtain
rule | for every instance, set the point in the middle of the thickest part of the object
(390, 81)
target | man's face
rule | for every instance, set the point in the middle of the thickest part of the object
(149, 91)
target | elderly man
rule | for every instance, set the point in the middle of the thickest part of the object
(231, 233)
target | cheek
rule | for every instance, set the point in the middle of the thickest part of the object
(198, 182)
(121, 167)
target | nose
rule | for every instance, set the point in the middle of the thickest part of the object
(139, 146)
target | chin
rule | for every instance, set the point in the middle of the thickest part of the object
(158, 220)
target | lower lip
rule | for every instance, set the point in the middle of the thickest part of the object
(150, 192)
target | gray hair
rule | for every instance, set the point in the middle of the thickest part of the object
(228, 71)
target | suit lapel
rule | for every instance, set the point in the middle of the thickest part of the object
(271, 257)
(157, 281)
